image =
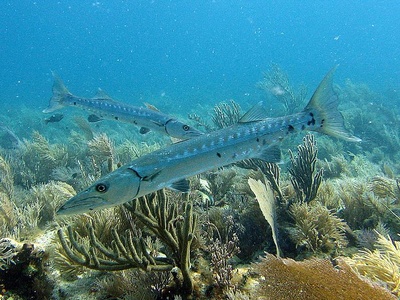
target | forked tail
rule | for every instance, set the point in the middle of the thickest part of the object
(323, 106)
(59, 93)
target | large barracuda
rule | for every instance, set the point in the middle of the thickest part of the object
(255, 136)
(105, 107)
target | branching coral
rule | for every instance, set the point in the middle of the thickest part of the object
(8, 249)
(317, 228)
(135, 284)
(304, 177)
(38, 159)
(271, 171)
(173, 227)
(101, 148)
(7, 214)
(283, 279)
(221, 251)
(49, 198)
(219, 184)
(276, 82)
(382, 264)
(226, 114)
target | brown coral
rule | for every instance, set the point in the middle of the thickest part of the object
(283, 279)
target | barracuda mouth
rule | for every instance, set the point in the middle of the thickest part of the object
(78, 205)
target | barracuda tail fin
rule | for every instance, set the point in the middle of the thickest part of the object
(59, 93)
(323, 107)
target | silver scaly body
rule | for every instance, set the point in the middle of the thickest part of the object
(106, 108)
(253, 137)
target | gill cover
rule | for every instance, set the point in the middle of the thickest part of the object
(115, 188)
(176, 128)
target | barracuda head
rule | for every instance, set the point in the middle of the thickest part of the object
(178, 129)
(118, 187)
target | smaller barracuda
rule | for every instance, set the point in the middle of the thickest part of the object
(105, 107)
(255, 136)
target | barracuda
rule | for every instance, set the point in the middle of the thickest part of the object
(253, 137)
(105, 107)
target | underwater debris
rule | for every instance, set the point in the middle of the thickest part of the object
(226, 114)
(304, 177)
(287, 279)
(382, 264)
(266, 201)
(317, 228)
(172, 226)
(276, 82)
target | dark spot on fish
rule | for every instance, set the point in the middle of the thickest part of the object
(312, 121)
(116, 118)
(94, 118)
(258, 140)
(74, 175)
(74, 103)
(218, 154)
(290, 128)
(322, 122)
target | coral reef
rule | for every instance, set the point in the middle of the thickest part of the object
(316, 228)
(382, 264)
(304, 177)
(23, 271)
(173, 226)
(181, 246)
(225, 114)
(312, 279)
(221, 251)
(276, 82)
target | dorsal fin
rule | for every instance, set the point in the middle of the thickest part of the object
(151, 106)
(102, 95)
(256, 113)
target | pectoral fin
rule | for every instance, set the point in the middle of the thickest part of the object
(271, 154)
(181, 186)
(144, 130)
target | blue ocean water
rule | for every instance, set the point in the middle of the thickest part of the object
(179, 53)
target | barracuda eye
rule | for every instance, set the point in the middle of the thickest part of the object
(101, 188)
(185, 127)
